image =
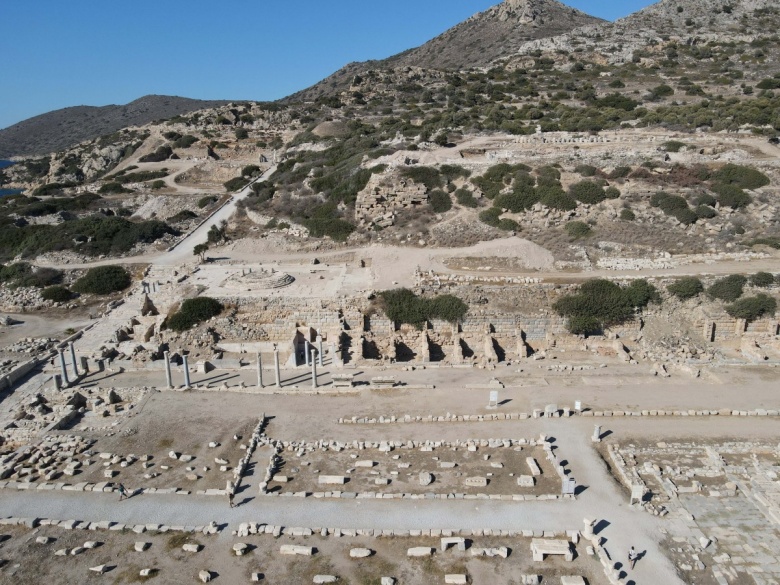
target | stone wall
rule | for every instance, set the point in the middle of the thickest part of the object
(384, 195)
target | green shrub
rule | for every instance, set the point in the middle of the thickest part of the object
(743, 177)
(620, 172)
(751, 308)
(12, 273)
(452, 172)
(668, 203)
(428, 176)
(185, 141)
(578, 229)
(236, 184)
(250, 171)
(22, 274)
(673, 146)
(601, 303)
(587, 192)
(158, 184)
(465, 198)
(612, 193)
(661, 91)
(51, 189)
(206, 201)
(114, 187)
(732, 196)
(241, 134)
(57, 294)
(508, 225)
(403, 306)
(440, 201)
(335, 228)
(162, 153)
(491, 216)
(556, 198)
(641, 293)
(685, 216)
(194, 311)
(103, 280)
(705, 212)
(184, 215)
(627, 215)
(728, 289)
(762, 280)
(686, 288)
(586, 170)
(139, 176)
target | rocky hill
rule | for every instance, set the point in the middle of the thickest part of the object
(495, 33)
(63, 128)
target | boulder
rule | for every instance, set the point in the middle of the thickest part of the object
(192, 548)
(204, 576)
(240, 548)
(426, 478)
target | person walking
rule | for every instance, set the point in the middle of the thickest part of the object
(231, 495)
(632, 557)
(122, 493)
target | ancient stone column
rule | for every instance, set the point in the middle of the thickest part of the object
(306, 346)
(73, 359)
(64, 369)
(319, 349)
(186, 372)
(587, 531)
(276, 369)
(259, 371)
(168, 376)
(313, 370)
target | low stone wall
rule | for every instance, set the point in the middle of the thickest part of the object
(539, 413)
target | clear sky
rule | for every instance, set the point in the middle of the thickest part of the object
(57, 53)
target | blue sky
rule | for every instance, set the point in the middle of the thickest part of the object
(97, 52)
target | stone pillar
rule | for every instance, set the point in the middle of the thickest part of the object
(259, 371)
(168, 376)
(596, 438)
(319, 349)
(313, 370)
(57, 382)
(306, 346)
(587, 531)
(276, 368)
(64, 369)
(186, 372)
(457, 349)
(73, 359)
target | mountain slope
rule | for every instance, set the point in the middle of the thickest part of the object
(63, 128)
(497, 32)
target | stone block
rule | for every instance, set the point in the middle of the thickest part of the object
(419, 551)
(360, 553)
(455, 579)
(476, 482)
(291, 549)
